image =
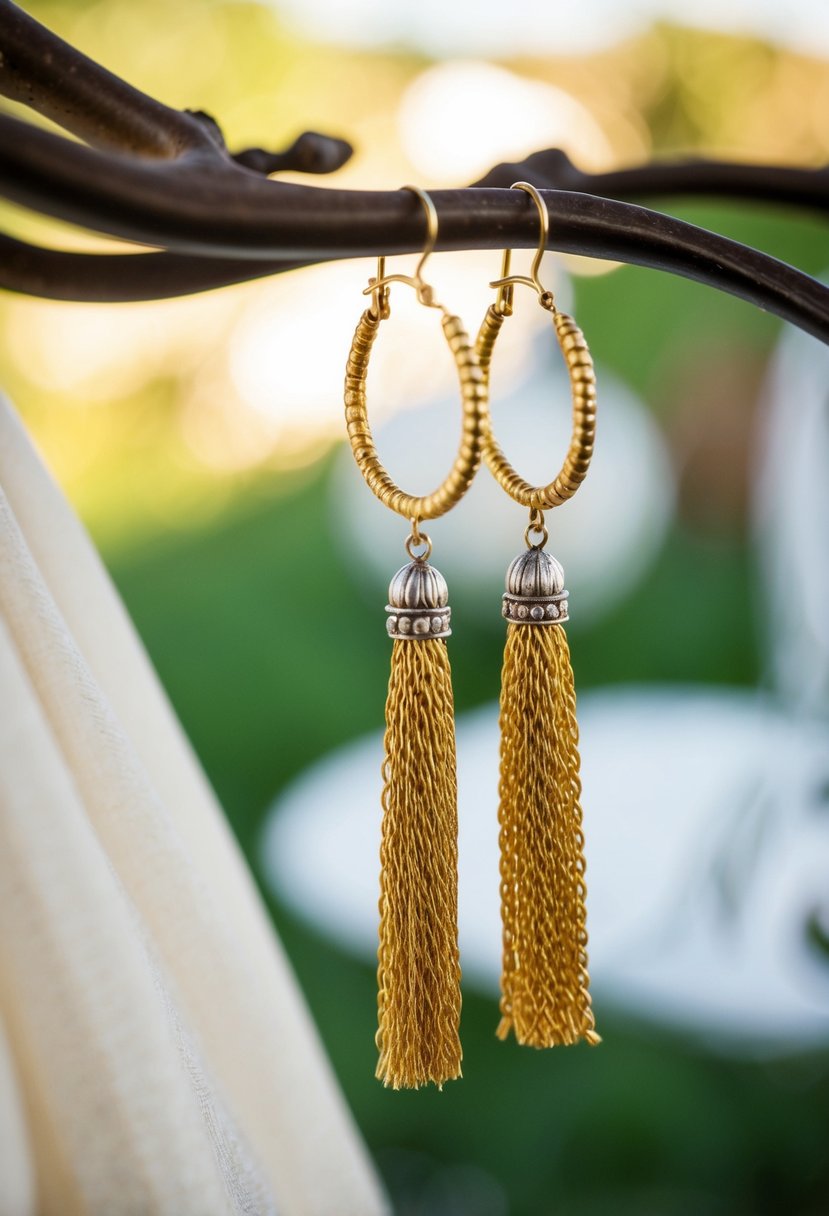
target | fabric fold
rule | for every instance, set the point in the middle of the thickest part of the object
(138, 796)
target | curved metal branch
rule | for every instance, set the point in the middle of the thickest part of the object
(186, 193)
(60, 82)
(115, 278)
(553, 169)
(46, 73)
(580, 224)
(43, 71)
(194, 207)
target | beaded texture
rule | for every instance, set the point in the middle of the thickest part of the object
(583, 388)
(473, 398)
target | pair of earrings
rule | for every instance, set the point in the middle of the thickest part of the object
(544, 982)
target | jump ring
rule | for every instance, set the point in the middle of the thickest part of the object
(539, 530)
(416, 542)
(473, 398)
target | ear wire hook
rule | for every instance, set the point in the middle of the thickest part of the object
(378, 288)
(507, 282)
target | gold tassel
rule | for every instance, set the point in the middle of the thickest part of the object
(544, 985)
(419, 999)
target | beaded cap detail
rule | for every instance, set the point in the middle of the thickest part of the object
(535, 592)
(418, 606)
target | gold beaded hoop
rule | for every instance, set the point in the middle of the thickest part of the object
(580, 370)
(472, 383)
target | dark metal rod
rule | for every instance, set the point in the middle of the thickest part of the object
(690, 177)
(172, 184)
(115, 278)
(41, 70)
(743, 272)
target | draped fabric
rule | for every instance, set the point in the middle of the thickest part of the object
(156, 1055)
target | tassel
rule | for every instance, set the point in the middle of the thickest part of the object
(544, 984)
(419, 999)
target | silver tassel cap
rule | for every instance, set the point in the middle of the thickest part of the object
(418, 606)
(535, 593)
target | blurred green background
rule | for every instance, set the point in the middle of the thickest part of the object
(205, 504)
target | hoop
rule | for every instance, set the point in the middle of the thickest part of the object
(583, 389)
(473, 399)
(579, 368)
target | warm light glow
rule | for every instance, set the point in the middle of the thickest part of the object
(458, 119)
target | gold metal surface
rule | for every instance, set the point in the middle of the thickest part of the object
(418, 973)
(545, 998)
(378, 288)
(415, 539)
(580, 370)
(583, 389)
(470, 375)
(507, 281)
(473, 401)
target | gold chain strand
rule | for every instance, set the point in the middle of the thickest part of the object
(419, 998)
(544, 985)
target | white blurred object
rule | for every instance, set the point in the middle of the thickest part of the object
(791, 510)
(530, 27)
(605, 543)
(162, 1057)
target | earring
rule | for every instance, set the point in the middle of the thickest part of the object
(419, 998)
(544, 982)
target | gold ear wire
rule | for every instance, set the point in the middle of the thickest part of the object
(579, 368)
(507, 281)
(431, 228)
(378, 287)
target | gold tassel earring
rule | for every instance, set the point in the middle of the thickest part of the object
(544, 983)
(419, 999)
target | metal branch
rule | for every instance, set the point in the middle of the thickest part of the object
(58, 81)
(44, 72)
(553, 170)
(580, 223)
(172, 183)
(309, 153)
(118, 277)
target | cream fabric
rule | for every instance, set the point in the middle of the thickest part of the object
(155, 1053)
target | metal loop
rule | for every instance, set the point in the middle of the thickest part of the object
(507, 281)
(583, 388)
(431, 227)
(378, 287)
(537, 526)
(415, 539)
(473, 401)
